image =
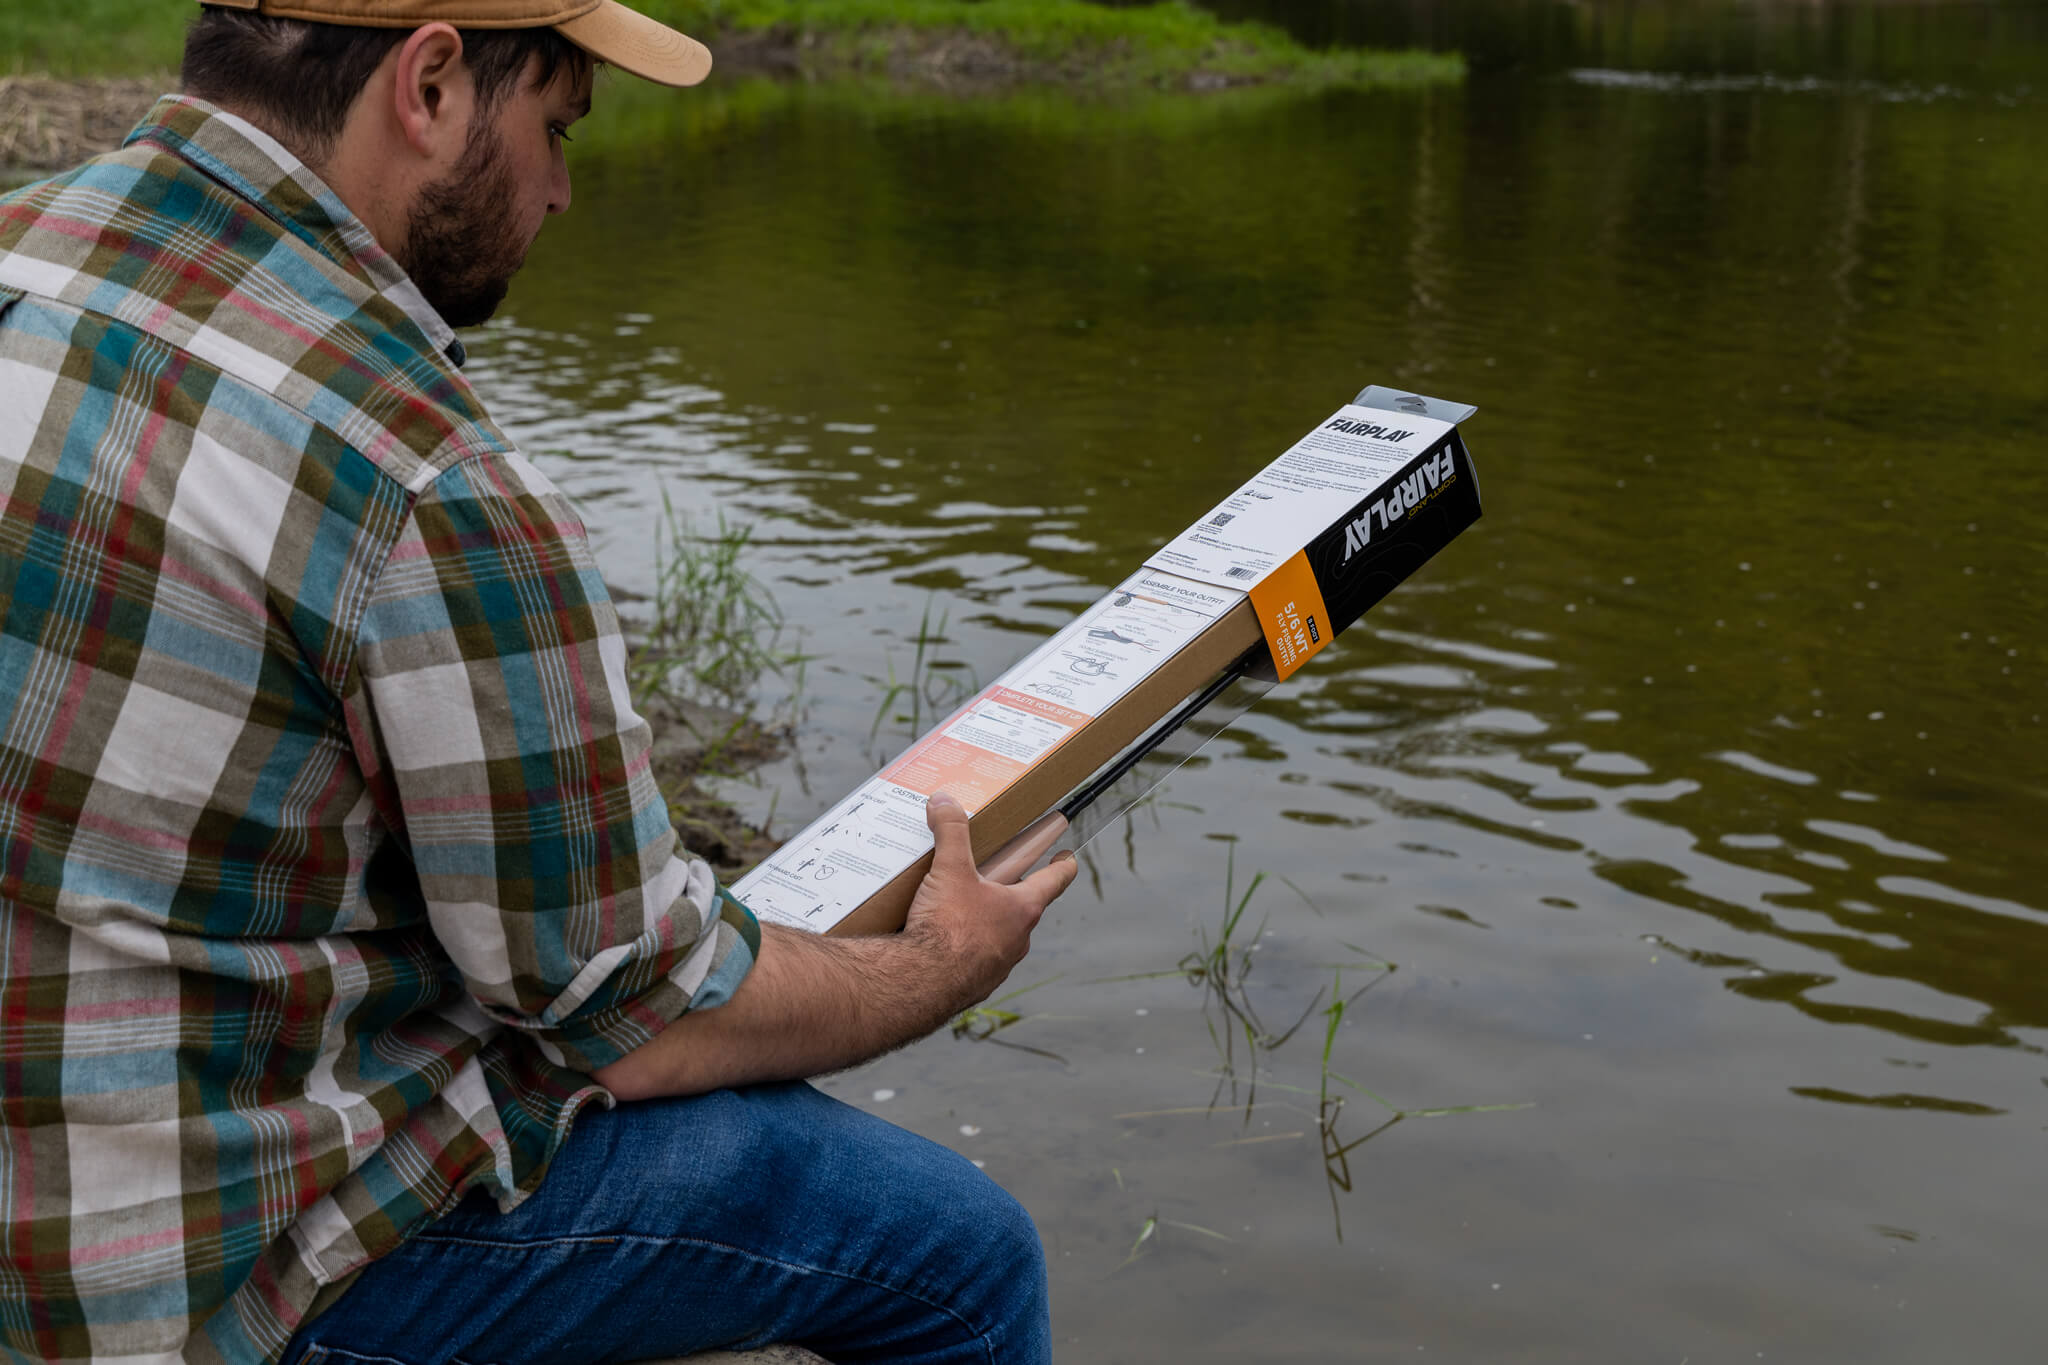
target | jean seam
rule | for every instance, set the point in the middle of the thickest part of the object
(640, 1239)
(316, 1353)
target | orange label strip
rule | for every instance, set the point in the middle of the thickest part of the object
(1289, 602)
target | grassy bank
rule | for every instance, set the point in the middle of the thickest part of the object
(704, 644)
(1060, 41)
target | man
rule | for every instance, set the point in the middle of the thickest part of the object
(355, 999)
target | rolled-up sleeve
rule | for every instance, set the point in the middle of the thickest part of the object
(496, 725)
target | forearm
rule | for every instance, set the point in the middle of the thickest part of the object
(809, 1006)
(812, 1004)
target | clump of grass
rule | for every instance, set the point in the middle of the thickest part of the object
(1148, 1233)
(714, 631)
(1222, 966)
(710, 636)
(1330, 1107)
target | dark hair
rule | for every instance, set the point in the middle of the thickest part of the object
(300, 78)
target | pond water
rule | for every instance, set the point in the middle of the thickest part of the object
(1697, 793)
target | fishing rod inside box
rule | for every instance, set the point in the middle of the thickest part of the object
(1082, 727)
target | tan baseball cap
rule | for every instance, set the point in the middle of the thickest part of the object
(606, 29)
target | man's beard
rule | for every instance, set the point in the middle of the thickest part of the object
(460, 247)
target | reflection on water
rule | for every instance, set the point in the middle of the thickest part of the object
(1972, 43)
(1679, 83)
(1697, 790)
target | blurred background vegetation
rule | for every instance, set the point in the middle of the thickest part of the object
(1065, 39)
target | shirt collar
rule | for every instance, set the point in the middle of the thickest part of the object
(257, 166)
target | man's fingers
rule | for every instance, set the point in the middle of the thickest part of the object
(953, 851)
(1055, 877)
(1014, 859)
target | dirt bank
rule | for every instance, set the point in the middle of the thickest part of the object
(945, 58)
(47, 124)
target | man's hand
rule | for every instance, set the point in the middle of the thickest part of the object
(981, 925)
(813, 1004)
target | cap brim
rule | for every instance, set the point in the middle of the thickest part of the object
(635, 43)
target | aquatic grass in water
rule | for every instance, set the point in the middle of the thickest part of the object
(1222, 969)
(1330, 1108)
(1148, 1234)
(713, 633)
(932, 688)
(981, 1023)
(1221, 966)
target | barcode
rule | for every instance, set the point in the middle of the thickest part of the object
(1222, 518)
(1240, 572)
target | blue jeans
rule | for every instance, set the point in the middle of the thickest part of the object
(733, 1219)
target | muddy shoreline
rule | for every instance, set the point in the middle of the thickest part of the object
(693, 743)
(48, 123)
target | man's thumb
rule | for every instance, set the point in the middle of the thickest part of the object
(948, 821)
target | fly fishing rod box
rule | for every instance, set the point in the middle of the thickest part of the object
(1265, 580)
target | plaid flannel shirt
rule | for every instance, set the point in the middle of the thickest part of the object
(333, 863)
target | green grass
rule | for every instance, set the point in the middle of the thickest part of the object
(1220, 966)
(1148, 1236)
(1091, 43)
(981, 1023)
(707, 639)
(934, 686)
(1069, 41)
(704, 643)
(712, 632)
(93, 37)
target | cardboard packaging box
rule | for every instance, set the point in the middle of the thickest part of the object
(1264, 581)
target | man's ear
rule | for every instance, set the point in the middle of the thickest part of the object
(433, 98)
